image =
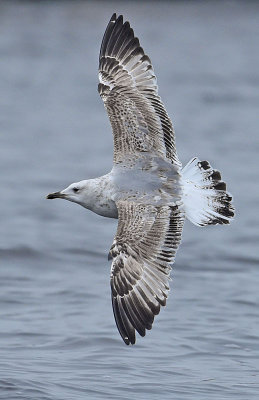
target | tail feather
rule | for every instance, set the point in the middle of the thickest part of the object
(205, 197)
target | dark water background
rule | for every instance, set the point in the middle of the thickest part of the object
(58, 338)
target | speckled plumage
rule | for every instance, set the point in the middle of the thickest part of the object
(146, 189)
(128, 88)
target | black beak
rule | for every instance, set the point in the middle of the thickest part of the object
(56, 195)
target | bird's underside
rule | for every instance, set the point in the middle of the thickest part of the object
(147, 189)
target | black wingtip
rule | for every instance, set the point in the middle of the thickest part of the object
(107, 33)
(116, 19)
(113, 17)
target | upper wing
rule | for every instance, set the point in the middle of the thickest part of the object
(146, 242)
(128, 88)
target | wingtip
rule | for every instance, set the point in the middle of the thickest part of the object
(115, 18)
(126, 340)
(129, 341)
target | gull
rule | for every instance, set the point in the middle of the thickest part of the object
(147, 189)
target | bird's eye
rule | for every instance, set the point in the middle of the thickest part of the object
(75, 189)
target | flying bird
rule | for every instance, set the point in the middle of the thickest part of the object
(147, 189)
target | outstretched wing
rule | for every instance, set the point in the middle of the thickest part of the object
(145, 244)
(128, 88)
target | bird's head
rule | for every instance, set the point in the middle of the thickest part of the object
(75, 192)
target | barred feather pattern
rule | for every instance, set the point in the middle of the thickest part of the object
(145, 244)
(205, 197)
(128, 88)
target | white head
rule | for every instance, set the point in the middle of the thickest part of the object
(91, 194)
(77, 192)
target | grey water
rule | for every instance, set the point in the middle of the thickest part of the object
(58, 339)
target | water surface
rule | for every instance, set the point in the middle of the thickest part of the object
(57, 333)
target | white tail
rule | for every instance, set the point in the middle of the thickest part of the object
(204, 194)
